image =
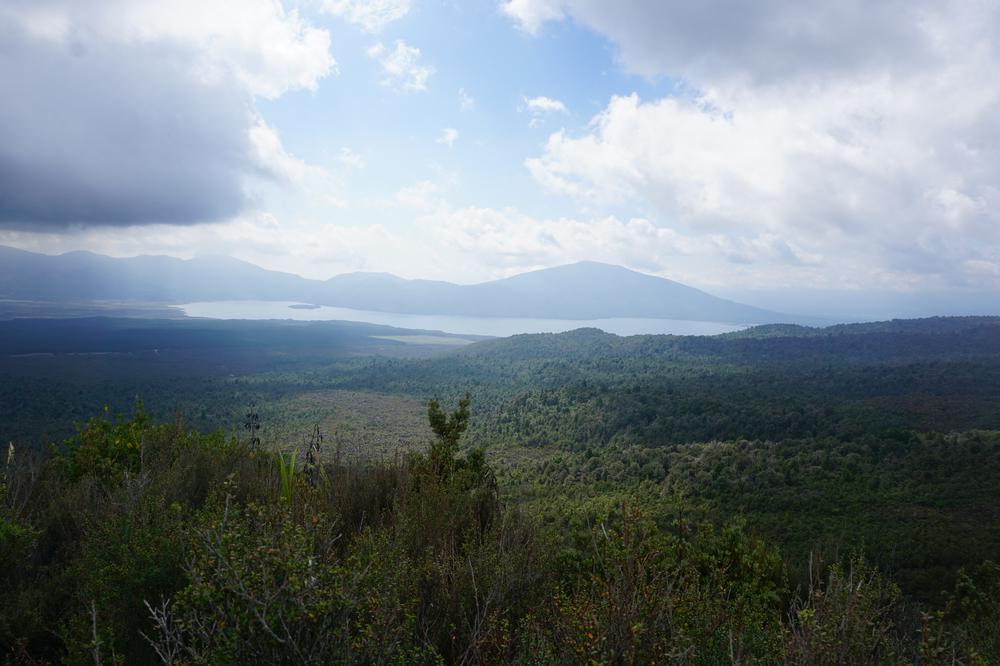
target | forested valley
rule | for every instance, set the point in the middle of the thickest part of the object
(228, 492)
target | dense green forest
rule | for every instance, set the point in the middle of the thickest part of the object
(777, 495)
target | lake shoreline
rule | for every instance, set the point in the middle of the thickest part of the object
(454, 324)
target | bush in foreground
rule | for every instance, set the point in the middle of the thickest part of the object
(138, 542)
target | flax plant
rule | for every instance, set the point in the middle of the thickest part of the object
(286, 467)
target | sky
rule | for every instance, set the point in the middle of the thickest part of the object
(769, 145)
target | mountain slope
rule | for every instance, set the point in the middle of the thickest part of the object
(590, 290)
(88, 276)
(585, 290)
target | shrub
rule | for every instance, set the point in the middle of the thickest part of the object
(849, 615)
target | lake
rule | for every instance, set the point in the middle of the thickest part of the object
(495, 326)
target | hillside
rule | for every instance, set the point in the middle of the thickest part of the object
(769, 490)
(584, 290)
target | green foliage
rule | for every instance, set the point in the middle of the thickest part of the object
(193, 553)
(126, 558)
(922, 506)
(17, 543)
(258, 592)
(583, 550)
(286, 469)
(106, 521)
(447, 428)
(824, 438)
(971, 618)
(851, 617)
(691, 595)
(105, 450)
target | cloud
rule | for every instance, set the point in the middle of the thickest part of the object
(258, 43)
(124, 113)
(275, 161)
(370, 15)
(479, 241)
(531, 14)
(315, 250)
(422, 195)
(401, 67)
(545, 105)
(505, 241)
(465, 101)
(351, 159)
(467, 243)
(754, 41)
(448, 137)
(539, 107)
(862, 136)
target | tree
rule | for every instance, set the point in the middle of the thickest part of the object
(448, 429)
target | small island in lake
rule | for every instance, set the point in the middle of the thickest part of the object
(304, 306)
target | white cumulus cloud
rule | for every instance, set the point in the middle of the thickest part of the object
(401, 67)
(421, 195)
(531, 14)
(370, 15)
(545, 105)
(863, 136)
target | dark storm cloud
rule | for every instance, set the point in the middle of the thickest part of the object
(101, 133)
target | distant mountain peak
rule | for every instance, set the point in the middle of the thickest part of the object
(588, 263)
(368, 275)
(580, 265)
(589, 268)
(585, 290)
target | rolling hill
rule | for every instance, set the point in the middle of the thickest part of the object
(586, 290)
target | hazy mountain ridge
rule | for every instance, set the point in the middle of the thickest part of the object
(585, 290)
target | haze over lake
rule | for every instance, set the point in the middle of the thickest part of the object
(495, 326)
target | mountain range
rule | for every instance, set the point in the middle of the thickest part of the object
(585, 290)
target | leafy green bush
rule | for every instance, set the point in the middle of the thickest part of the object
(138, 542)
(849, 617)
(692, 595)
